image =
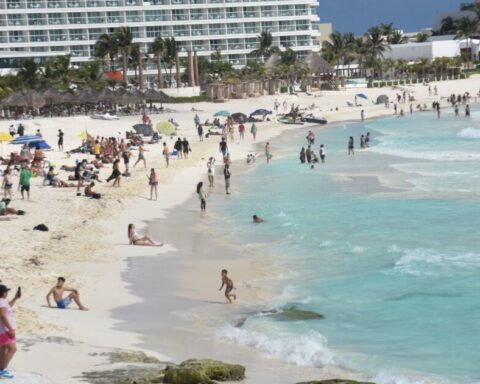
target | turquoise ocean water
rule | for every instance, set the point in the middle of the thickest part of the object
(395, 272)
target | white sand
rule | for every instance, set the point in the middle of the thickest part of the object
(57, 346)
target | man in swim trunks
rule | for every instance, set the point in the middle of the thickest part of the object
(226, 281)
(64, 302)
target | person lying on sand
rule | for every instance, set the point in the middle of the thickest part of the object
(63, 302)
(6, 210)
(135, 239)
(228, 283)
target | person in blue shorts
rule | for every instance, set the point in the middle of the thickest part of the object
(62, 302)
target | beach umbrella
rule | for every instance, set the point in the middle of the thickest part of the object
(88, 95)
(166, 127)
(382, 99)
(261, 112)
(222, 114)
(156, 96)
(107, 96)
(5, 136)
(143, 129)
(362, 96)
(26, 139)
(52, 96)
(71, 98)
(42, 144)
(239, 117)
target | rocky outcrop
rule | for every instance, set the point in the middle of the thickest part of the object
(293, 313)
(203, 372)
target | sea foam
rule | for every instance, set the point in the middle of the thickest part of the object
(469, 133)
(309, 349)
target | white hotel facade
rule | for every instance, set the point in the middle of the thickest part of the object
(45, 28)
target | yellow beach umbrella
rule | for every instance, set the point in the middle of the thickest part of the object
(5, 136)
(84, 135)
(166, 127)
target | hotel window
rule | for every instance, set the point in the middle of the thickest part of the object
(112, 3)
(184, 46)
(197, 14)
(94, 33)
(133, 17)
(156, 15)
(232, 13)
(267, 26)
(200, 45)
(301, 10)
(284, 10)
(179, 15)
(94, 3)
(14, 4)
(233, 29)
(157, 31)
(15, 20)
(267, 12)
(218, 44)
(55, 4)
(285, 26)
(252, 28)
(136, 32)
(181, 30)
(38, 49)
(216, 29)
(58, 35)
(302, 25)
(78, 34)
(58, 49)
(36, 19)
(250, 12)
(73, 4)
(76, 18)
(38, 36)
(114, 17)
(199, 30)
(251, 43)
(16, 37)
(215, 13)
(95, 18)
(33, 4)
(235, 44)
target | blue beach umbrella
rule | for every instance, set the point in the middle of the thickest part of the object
(362, 96)
(222, 114)
(26, 139)
(42, 144)
(261, 112)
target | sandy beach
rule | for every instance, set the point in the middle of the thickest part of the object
(87, 244)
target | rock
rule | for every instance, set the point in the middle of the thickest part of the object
(203, 372)
(293, 313)
(136, 357)
(335, 381)
(179, 375)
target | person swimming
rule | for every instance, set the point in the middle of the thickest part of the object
(257, 219)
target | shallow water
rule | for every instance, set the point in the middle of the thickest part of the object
(395, 268)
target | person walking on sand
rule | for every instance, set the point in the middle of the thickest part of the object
(223, 147)
(116, 174)
(228, 284)
(211, 172)
(178, 147)
(202, 196)
(362, 114)
(227, 174)
(24, 182)
(351, 146)
(186, 148)
(268, 153)
(63, 302)
(60, 140)
(166, 154)
(8, 327)
(200, 132)
(7, 184)
(253, 131)
(141, 156)
(153, 182)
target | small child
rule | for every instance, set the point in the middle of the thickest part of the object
(226, 281)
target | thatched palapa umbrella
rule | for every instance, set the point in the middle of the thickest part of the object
(152, 95)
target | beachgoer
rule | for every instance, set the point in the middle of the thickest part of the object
(211, 172)
(241, 131)
(268, 153)
(7, 183)
(302, 155)
(196, 120)
(8, 328)
(186, 148)
(227, 174)
(25, 176)
(228, 283)
(202, 196)
(141, 157)
(362, 115)
(367, 140)
(135, 239)
(178, 147)
(253, 131)
(467, 110)
(257, 219)
(153, 182)
(60, 140)
(351, 146)
(223, 147)
(322, 153)
(63, 302)
(200, 132)
(89, 192)
(362, 141)
(308, 154)
(116, 174)
(126, 155)
(166, 154)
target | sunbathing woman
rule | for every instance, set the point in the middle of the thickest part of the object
(135, 239)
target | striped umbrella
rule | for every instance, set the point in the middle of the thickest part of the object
(26, 139)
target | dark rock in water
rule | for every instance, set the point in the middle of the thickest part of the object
(336, 381)
(203, 372)
(293, 313)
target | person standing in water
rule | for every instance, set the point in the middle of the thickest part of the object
(351, 146)
(362, 115)
(202, 196)
(362, 141)
(302, 155)
(153, 182)
(367, 140)
(322, 153)
(268, 154)
(308, 154)
(253, 131)
(228, 284)
(227, 174)
(467, 110)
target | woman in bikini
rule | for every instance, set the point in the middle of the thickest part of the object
(135, 239)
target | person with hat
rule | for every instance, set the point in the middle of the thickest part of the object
(8, 342)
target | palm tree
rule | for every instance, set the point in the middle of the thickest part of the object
(60, 71)
(388, 65)
(333, 50)
(421, 37)
(157, 48)
(88, 74)
(447, 27)
(422, 65)
(106, 45)
(28, 73)
(466, 27)
(171, 51)
(265, 46)
(387, 31)
(124, 40)
(397, 38)
(376, 43)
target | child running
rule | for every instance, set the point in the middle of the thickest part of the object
(228, 283)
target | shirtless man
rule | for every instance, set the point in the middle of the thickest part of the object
(63, 303)
(226, 281)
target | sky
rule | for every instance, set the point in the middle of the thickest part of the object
(358, 15)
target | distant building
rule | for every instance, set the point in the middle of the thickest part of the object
(326, 30)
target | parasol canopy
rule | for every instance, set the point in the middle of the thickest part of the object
(42, 144)
(26, 139)
(5, 136)
(362, 96)
(261, 112)
(157, 96)
(239, 117)
(382, 99)
(166, 128)
(222, 114)
(143, 129)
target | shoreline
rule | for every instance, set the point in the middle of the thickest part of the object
(96, 268)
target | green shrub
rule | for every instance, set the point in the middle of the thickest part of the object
(283, 89)
(190, 99)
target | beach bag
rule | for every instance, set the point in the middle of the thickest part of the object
(96, 196)
(41, 227)
(20, 212)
